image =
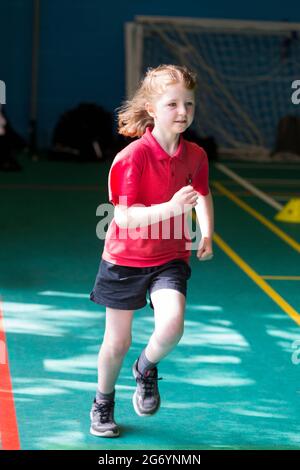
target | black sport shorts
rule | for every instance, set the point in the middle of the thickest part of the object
(126, 287)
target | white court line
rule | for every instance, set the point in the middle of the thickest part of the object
(277, 181)
(265, 166)
(257, 192)
(285, 182)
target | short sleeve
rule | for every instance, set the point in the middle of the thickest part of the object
(200, 179)
(124, 180)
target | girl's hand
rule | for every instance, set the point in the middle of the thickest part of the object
(185, 198)
(205, 251)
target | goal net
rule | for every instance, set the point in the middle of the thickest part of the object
(245, 72)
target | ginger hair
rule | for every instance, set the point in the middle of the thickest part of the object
(133, 118)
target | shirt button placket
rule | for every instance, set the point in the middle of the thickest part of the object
(169, 173)
(172, 172)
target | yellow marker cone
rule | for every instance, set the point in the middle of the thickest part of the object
(290, 212)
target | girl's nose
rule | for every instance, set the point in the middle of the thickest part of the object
(182, 110)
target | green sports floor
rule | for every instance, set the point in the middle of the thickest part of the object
(233, 382)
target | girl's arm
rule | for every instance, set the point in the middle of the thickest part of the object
(141, 216)
(205, 215)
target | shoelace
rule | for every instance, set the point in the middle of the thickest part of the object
(104, 409)
(148, 384)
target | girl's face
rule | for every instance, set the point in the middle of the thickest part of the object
(173, 111)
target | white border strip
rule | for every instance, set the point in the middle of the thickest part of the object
(261, 195)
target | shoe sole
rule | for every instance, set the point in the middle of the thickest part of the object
(104, 434)
(107, 433)
(134, 401)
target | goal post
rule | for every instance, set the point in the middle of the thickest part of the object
(133, 56)
(245, 72)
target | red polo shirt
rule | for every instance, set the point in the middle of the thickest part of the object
(145, 173)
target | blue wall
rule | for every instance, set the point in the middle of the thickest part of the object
(15, 64)
(82, 49)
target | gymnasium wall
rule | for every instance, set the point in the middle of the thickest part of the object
(82, 49)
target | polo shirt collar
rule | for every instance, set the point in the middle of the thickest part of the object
(158, 151)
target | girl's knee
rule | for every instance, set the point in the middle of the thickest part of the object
(116, 346)
(169, 335)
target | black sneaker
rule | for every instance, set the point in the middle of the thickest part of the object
(102, 419)
(146, 399)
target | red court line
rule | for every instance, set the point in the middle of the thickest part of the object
(9, 435)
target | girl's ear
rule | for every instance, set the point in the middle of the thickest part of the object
(150, 109)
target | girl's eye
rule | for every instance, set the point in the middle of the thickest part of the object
(173, 105)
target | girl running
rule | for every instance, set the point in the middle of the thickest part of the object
(154, 183)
